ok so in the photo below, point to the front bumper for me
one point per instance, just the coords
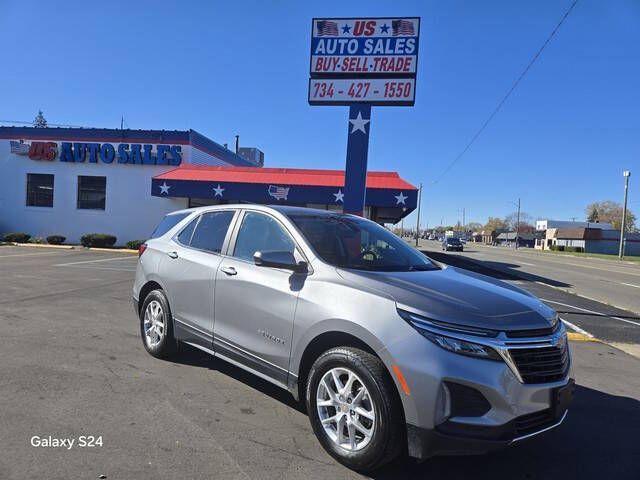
(424, 443)
(454, 438)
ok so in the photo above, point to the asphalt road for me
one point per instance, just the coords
(602, 320)
(72, 363)
(612, 282)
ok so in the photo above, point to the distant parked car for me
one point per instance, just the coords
(452, 243)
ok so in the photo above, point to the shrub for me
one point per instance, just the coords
(38, 240)
(56, 239)
(134, 244)
(17, 237)
(574, 249)
(101, 240)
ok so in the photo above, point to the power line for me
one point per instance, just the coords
(504, 99)
(20, 122)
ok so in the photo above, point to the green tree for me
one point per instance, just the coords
(495, 223)
(611, 212)
(40, 121)
(592, 215)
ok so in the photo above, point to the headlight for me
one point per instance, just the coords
(432, 331)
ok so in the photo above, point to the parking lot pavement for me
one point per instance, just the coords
(72, 363)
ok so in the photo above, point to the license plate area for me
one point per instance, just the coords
(561, 398)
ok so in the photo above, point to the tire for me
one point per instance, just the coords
(386, 426)
(166, 344)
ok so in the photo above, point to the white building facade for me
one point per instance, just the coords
(69, 181)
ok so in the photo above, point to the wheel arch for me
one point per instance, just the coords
(145, 290)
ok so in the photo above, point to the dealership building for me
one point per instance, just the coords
(73, 181)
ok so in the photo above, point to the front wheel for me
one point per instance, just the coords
(354, 410)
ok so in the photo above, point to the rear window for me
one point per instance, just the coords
(167, 223)
(453, 240)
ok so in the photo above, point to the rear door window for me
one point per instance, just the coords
(167, 223)
(211, 230)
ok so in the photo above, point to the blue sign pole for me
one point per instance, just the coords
(355, 178)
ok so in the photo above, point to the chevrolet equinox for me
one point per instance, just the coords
(390, 351)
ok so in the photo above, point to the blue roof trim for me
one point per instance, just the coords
(208, 146)
(97, 134)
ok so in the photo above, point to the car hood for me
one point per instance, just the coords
(458, 296)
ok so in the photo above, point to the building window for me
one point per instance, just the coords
(92, 192)
(39, 190)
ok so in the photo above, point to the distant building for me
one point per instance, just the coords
(591, 240)
(542, 225)
(509, 238)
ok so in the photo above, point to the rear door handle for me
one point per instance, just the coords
(229, 270)
(173, 254)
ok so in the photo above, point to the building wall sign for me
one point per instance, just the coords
(123, 153)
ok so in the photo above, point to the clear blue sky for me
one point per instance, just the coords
(560, 142)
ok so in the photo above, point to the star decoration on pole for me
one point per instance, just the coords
(401, 198)
(359, 124)
(164, 188)
(217, 191)
(339, 196)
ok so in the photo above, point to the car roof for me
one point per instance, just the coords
(286, 210)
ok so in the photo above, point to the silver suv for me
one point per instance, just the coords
(390, 351)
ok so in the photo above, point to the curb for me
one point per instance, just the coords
(126, 251)
(41, 245)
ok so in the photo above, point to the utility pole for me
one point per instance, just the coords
(518, 225)
(626, 175)
(418, 221)
(402, 227)
(464, 222)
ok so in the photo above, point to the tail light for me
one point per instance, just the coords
(141, 249)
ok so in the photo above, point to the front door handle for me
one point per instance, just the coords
(229, 270)
(173, 255)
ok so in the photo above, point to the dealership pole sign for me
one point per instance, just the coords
(360, 63)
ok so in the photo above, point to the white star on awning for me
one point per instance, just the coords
(164, 188)
(217, 191)
(339, 196)
(400, 198)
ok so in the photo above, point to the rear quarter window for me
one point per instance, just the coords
(167, 223)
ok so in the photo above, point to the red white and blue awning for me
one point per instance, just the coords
(291, 186)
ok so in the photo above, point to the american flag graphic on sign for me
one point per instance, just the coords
(19, 148)
(327, 28)
(279, 193)
(402, 27)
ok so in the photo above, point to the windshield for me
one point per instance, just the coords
(352, 242)
(453, 240)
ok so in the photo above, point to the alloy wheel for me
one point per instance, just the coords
(154, 323)
(345, 408)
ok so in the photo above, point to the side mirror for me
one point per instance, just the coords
(279, 259)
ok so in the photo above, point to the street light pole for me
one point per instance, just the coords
(418, 221)
(518, 225)
(626, 175)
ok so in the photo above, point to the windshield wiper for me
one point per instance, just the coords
(421, 268)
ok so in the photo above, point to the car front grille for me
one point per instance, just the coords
(541, 364)
(532, 333)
